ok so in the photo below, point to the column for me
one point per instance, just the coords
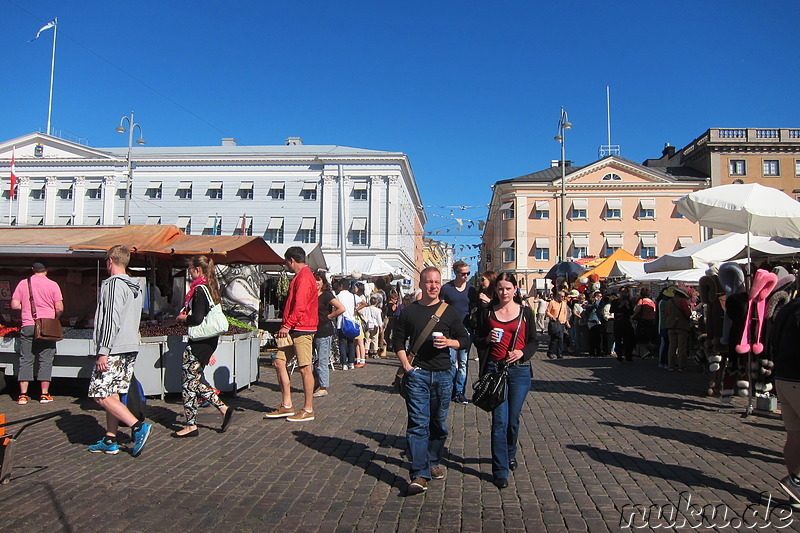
(78, 199)
(23, 196)
(393, 215)
(109, 198)
(50, 192)
(347, 218)
(522, 249)
(377, 223)
(327, 221)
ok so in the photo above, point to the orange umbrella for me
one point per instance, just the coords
(604, 269)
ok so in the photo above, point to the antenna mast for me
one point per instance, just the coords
(608, 149)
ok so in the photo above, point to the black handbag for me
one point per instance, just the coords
(490, 391)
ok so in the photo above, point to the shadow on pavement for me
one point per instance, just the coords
(356, 454)
(386, 389)
(691, 477)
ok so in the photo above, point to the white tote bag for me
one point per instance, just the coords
(213, 325)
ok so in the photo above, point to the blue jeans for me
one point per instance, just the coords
(505, 419)
(322, 345)
(460, 361)
(427, 401)
(347, 350)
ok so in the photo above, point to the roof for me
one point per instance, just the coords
(247, 151)
(543, 176)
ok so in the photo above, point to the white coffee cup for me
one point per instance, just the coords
(436, 334)
(498, 334)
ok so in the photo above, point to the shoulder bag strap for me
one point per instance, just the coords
(33, 304)
(429, 327)
(513, 340)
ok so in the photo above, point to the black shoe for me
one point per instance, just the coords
(227, 420)
(560, 357)
(460, 398)
(193, 433)
(500, 482)
(550, 356)
(512, 464)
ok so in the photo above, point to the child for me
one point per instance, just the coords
(373, 320)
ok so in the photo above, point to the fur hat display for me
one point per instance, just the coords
(763, 284)
(732, 278)
(784, 278)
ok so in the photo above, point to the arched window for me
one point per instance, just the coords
(611, 177)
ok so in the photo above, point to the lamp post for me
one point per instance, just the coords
(129, 182)
(563, 125)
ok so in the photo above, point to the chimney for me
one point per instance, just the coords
(293, 141)
(228, 141)
(668, 151)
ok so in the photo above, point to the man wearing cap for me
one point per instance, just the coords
(49, 304)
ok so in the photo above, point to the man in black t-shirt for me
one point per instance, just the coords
(429, 381)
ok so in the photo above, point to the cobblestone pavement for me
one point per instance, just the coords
(596, 439)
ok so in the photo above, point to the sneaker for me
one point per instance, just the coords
(46, 398)
(320, 393)
(361, 365)
(301, 416)
(437, 472)
(101, 447)
(418, 485)
(344, 367)
(460, 398)
(140, 438)
(280, 412)
(23, 399)
(791, 488)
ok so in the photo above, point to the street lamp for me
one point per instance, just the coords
(563, 125)
(129, 182)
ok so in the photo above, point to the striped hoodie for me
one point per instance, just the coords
(116, 321)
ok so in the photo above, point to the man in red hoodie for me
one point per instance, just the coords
(300, 320)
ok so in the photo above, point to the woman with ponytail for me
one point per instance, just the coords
(202, 296)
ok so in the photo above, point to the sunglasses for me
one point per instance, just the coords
(464, 273)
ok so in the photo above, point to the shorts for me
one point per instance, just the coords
(116, 379)
(789, 396)
(302, 347)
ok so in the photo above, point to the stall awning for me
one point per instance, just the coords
(615, 240)
(359, 224)
(648, 240)
(308, 223)
(154, 185)
(278, 185)
(540, 242)
(275, 223)
(542, 205)
(184, 185)
(647, 203)
(580, 203)
(310, 186)
(215, 185)
(183, 222)
(507, 244)
(614, 203)
(360, 186)
(580, 241)
(246, 186)
(506, 205)
(683, 242)
(153, 220)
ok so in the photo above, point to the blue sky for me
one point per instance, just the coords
(471, 91)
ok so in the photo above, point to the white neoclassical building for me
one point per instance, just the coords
(356, 204)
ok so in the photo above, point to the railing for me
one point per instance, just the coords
(769, 135)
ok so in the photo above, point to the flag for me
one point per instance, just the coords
(47, 26)
(13, 176)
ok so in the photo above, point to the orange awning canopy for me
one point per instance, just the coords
(604, 269)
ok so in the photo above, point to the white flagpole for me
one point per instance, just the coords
(10, 188)
(52, 73)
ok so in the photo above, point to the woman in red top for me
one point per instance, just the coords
(514, 348)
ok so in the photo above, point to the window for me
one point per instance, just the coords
(153, 190)
(647, 252)
(614, 242)
(244, 226)
(274, 231)
(358, 231)
(37, 193)
(579, 252)
(92, 221)
(122, 192)
(213, 226)
(185, 225)
(613, 208)
(580, 208)
(647, 208)
(580, 245)
(360, 190)
(215, 190)
(184, 191)
(737, 167)
(683, 242)
(245, 190)
(308, 230)
(277, 191)
(539, 215)
(95, 192)
(772, 167)
(153, 220)
(507, 248)
(309, 191)
(507, 210)
(797, 167)
(65, 191)
(611, 177)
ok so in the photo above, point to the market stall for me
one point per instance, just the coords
(75, 258)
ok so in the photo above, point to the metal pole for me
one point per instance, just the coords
(52, 74)
(563, 255)
(128, 184)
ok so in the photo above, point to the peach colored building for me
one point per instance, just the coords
(611, 203)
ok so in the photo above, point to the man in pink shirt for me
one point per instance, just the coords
(49, 304)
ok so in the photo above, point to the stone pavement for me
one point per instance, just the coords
(597, 438)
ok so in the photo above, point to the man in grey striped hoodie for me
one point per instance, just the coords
(116, 336)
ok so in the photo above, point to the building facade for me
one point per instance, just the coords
(364, 202)
(440, 255)
(611, 203)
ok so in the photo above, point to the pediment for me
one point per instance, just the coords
(52, 148)
(614, 171)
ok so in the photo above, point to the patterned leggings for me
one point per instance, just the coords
(195, 387)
